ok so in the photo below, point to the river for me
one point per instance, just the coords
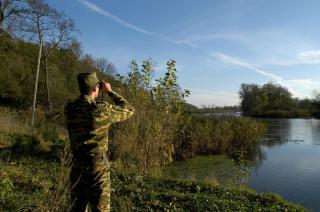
(287, 163)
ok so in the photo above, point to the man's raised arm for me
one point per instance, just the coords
(122, 110)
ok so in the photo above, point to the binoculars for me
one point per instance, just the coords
(100, 84)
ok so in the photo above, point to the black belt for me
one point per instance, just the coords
(89, 157)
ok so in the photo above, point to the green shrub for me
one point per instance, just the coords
(30, 144)
(216, 135)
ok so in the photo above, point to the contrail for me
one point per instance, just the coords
(298, 87)
(227, 59)
(124, 23)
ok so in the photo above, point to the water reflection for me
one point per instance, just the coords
(291, 166)
(281, 131)
(284, 131)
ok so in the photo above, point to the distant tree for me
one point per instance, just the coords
(75, 47)
(307, 104)
(252, 100)
(266, 100)
(316, 101)
(316, 96)
(103, 65)
(278, 97)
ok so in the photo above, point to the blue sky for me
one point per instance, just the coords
(218, 44)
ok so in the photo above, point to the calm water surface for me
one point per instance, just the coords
(288, 163)
(291, 164)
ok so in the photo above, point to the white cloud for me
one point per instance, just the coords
(298, 87)
(312, 56)
(126, 24)
(301, 58)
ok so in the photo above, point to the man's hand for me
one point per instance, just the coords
(106, 87)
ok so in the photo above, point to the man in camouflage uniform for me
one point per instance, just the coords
(88, 122)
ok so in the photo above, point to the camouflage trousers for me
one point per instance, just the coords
(90, 181)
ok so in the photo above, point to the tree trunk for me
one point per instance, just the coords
(1, 15)
(45, 60)
(36, 84)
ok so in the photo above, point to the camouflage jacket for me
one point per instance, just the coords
(88, 122)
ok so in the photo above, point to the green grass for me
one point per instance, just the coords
(159, 194)
(214, 169)
(34, 183)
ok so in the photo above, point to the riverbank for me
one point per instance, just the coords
(285, 114)
(34, 183)
(151, 193)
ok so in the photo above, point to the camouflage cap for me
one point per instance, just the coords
(87, 81)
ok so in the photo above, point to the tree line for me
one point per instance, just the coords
(272, 100)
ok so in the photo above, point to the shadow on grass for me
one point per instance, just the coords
(33, 145)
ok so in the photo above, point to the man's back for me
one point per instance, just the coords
(88, 123)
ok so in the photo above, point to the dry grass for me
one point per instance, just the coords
(11, 124)
(15, 130)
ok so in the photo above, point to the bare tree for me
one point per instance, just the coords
(60, 33)
(10, 12)
(48, 28)
(103, 65)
